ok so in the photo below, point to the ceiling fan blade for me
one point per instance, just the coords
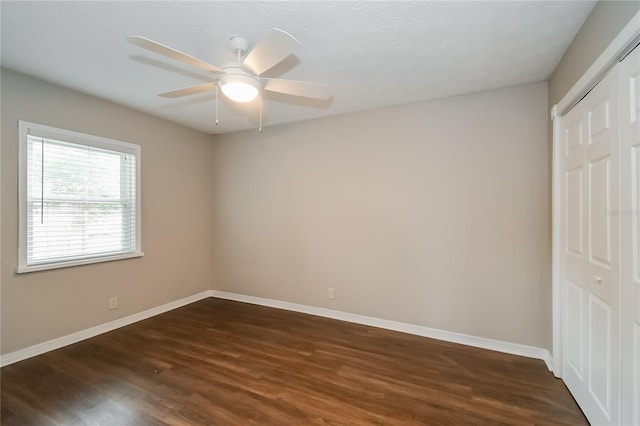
(272, 49)
(297, 88)
(192, 90)
(161, 49)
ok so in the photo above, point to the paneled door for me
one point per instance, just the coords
(590, 252)
(629, 77)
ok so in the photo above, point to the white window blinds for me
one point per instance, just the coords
(81, 199)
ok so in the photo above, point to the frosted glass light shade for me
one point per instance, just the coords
(239, 88)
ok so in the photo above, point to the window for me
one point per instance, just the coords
(79, 198)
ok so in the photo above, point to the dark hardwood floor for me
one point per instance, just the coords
(218, 362)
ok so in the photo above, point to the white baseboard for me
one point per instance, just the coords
(72, 338)
(448, 336)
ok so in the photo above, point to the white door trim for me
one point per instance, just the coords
(556, 244)
(628, 36)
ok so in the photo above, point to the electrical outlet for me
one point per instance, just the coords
(113, 303)
(330, 293)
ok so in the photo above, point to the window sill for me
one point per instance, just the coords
(23, 269)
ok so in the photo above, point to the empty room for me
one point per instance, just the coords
(320, 213)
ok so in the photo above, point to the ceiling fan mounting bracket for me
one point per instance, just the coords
(239, 44)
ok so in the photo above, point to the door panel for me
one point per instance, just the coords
(574, 318)
(599, 209)
(599, 119)
(573, 136)
(575, 335)
(629, 217)
(600, 353)
(573, 230)
(591, 253)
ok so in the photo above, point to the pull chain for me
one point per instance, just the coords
(216, 104)
(260, 128)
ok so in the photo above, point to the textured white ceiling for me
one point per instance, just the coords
(372, 54)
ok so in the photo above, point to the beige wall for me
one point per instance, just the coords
(601, 27)
(176, 218)
(431, 213)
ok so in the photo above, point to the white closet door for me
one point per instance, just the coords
(629, 77)
(590, 167)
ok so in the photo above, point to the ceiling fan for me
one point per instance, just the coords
(241, 81)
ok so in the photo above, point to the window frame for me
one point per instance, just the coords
(26, 128)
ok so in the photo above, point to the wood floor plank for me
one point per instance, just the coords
(218, 362)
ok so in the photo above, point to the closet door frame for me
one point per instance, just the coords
(617, 49)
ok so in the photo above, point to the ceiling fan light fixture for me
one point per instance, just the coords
(239, 87)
